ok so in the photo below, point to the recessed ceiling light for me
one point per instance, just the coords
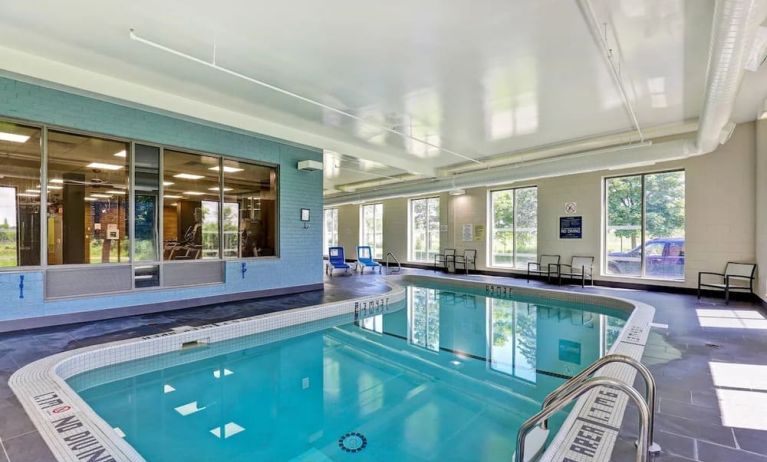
(56, 181)
(171, 196)
(13, 137)
(101, 196)
(215, 188)
(122, 154)
(168, 183)
(193, 193)
(188, 176)
(227, 169)
(103, 166)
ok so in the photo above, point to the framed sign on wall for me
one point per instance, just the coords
(571, 227)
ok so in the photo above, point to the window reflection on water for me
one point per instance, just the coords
(513, 338)
(424, 318)
(519, 339)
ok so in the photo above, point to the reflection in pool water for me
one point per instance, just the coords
(446, 376)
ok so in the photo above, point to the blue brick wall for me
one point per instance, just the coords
(300, 261)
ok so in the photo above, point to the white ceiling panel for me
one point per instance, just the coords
(455, 80)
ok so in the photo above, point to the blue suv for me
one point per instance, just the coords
(664, 258)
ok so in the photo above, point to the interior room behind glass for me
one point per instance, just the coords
(20, 154)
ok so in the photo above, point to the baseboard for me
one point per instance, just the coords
(98, 315)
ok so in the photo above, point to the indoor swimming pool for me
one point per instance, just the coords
(443, 375)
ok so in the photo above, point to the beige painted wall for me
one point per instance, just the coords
(720, 215)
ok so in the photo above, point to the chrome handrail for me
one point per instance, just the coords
(399, 266)
(650, 388)
(576, 392)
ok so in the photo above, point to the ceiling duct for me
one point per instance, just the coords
(735, 25)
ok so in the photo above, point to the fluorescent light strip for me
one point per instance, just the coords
(168, 183)
(101, 196)
(33, 191)
(213, 65)
(215, 188)
(27, 195)
(188, 176)
(53, 187)
(103, 166)
(112, 191)
(13, 137)
(56, 181)
(122, 154)
(171, 196)
(227, 169)
(193, 193)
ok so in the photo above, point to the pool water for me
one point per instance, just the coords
(444, 376)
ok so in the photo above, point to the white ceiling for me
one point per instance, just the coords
(476, 79)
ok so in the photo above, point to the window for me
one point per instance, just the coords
(147, 196)
(20, 195)
(424, 317)
(371, 228)
(191, 206)
(514, 227)
(513, 338)
(250, 210)
(330, 229)
(424, 229)
(645, 219)
(87, 200)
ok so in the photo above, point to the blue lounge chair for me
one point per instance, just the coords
(336, 260)
(365, 259)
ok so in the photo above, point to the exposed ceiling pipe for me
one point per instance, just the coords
(587, 144)
(734, 26)
(214, 65)
(609, 55)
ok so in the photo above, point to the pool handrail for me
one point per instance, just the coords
(576, 392)
(650, 388)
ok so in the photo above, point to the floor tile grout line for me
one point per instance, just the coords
(736, 449)
(2, 445)
(20, 435)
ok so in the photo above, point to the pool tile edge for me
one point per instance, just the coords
(71, 429)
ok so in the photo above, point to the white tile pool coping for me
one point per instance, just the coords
(74, 432)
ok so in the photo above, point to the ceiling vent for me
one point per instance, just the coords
(309, 165)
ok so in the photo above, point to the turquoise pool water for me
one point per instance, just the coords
(446, 376)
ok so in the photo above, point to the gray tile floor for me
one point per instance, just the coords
(688, 419)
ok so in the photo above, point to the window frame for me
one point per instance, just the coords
(362, 240)
(643, 218)
(333, 211)
(491, 226)
(130, 152)
(410, 227)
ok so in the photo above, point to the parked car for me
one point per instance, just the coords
(664, 258)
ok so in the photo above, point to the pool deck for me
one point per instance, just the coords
(689, 415)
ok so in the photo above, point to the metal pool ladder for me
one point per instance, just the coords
(582, 383)
(399, 267)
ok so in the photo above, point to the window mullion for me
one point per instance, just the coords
(643, 264)
(514, 229)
